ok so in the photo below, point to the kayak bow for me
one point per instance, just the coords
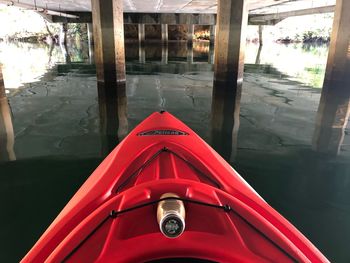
(162, 194)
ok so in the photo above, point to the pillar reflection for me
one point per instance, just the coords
(142, 54)
(112, 102)
(211, 55)
(258, 54)
(65, 53)
(225, 121)
(190, 54)
(165, 50)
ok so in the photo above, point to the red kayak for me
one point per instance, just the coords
(164, 195)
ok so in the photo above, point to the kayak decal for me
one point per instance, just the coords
(162, 132)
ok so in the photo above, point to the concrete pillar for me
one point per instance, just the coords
(108, 28)
(165, 54)
(112, 102)
(334, 108)
(190, 33)
(90, 34)
(164, 28)
(232, 20)
(212, 31)
(261, 42)
(142, 34)
(7, 138)
(63, 34)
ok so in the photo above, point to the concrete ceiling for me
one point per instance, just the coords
(179, 6)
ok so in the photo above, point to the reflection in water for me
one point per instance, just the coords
(64, 50)
(165, 50)
(91, 53)
(190, 54)
(35, 60)
(302, 63)
(258, 54)
(6, 129)
(113, 114)
(224, 122)
(62, 122)
(199, 52)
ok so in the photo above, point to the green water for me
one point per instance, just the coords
(59, 138)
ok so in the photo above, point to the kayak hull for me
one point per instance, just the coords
(113, 216)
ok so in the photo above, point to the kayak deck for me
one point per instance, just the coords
(112, 218)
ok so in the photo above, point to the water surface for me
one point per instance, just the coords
(61, 134)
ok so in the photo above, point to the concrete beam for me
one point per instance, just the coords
(83, 17)
(228, 66)
(266, 19)
(7, 138)
(108, 31)
(195, 19)
(147, 18)
(334, 108)
(169, 18)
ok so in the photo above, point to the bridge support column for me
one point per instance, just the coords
(63, 34)
(7, 138)
(90, 42)
(108, 28)
(190, 32)
(228, 71)
(334, 108)
(164, 28)
(261, 28)
(142, 33)
(90, 34)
